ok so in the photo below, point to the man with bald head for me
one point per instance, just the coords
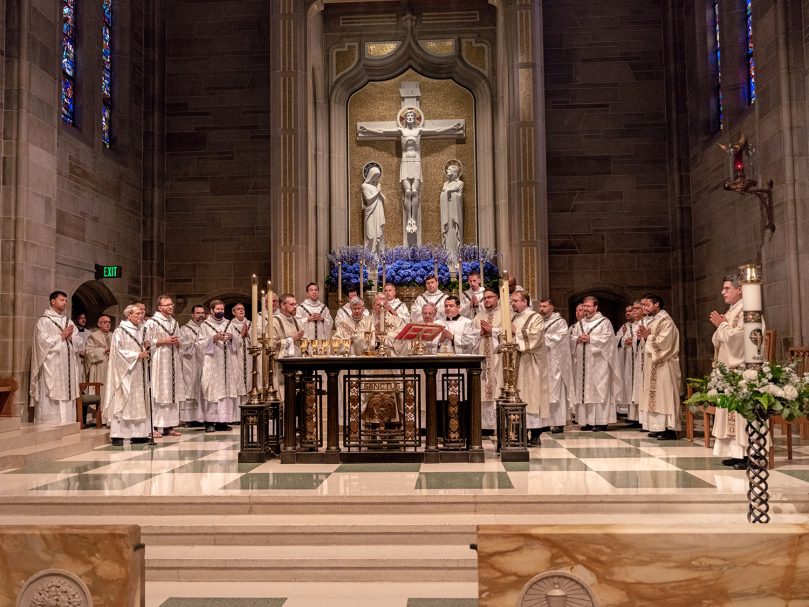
(97, 356)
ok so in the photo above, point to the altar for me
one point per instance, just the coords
(390, 430)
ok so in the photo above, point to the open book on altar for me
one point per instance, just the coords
(422, 331)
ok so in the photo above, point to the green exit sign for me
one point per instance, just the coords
(108, 271)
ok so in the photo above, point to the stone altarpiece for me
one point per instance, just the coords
(476, 60)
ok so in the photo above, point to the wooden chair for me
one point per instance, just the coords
(8, 386)
(801, 355)
(85, 401)
(707, 411)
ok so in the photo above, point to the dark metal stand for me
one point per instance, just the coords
(757, 473)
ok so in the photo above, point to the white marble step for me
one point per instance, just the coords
(30, 435)
(311, 563)
(9, 424)
(62, 442)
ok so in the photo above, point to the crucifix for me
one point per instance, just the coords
(410, 126)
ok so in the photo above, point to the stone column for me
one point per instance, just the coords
(292, 259)
(526, 212)
(28, 215)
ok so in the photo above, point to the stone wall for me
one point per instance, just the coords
(727, 227)
(609, 227)
(217, 148)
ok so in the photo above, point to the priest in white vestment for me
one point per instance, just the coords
(729, 428)
(245, 373)
(344, 313)
(660, 398)
(314, 314)
(532, 374)
(288, 334)
(192, 409)
(356, 326)
(472, 298)
(595, 369)
(55, 368)
(633, 368)
(128, 391)
(488, 323)
(220, 369)
(168, 382)
(394, 305)
(560, 366)
(97, 358)
(433, 295)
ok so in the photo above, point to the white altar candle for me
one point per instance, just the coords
(435, 268)
(505, 307)
(481, 271)
(339, 283)
(384, 274)
(460, 278)
(268, 326)
(754, 354)
(362, 279)
(263, 313)
(254, 295)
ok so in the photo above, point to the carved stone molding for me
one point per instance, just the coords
(54, 587)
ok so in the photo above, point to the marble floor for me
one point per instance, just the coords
(576, 465)
(617, 462)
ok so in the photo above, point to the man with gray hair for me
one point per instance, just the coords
(355, 326)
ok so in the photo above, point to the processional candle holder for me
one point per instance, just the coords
(509, 392)
(512, 429)
(758, 497)
(269, 391)
(255, 394)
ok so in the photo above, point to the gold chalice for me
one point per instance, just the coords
(336, 342)
(346, 346)
(304, 346)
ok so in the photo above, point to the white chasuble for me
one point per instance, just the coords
(560, 368)
(220, 369)
(316, 329)
(437, 299)
(168, 382)
(193, 358)
(660, 398)
(532, 376)
(128, 392)
(596, 381)
(55, 370)
(96, 362)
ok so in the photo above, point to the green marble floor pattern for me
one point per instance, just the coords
(619, 460)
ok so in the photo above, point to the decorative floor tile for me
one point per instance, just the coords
(696, 463)
(173, 454)
(646, 479)
(217, 466)
(463, 480)
(547, 464)
(597, 452)
(96, 482)
(391, 467)
(59, 468)
(278, 480)
(215, 437)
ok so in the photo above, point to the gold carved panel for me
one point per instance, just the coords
(439, 48)
(440, 100)
(380, 50)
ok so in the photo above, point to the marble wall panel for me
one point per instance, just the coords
(647, 565)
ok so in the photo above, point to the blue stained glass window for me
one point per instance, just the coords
(718, 59)
(106, 73)
(68, 89)
(751, 60)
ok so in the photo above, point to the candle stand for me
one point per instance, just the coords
(512, 430)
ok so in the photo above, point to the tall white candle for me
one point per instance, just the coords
(339, 283)
(269, 325)
(254, 295)
(481, 270)
(362, 279)
(435, 268)
(263, 313)
(752, 306)
(384, 274)
(505, 307)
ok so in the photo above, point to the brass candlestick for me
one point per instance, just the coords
(511, 361)
(269, 391)
(368, 351)
(254, 396)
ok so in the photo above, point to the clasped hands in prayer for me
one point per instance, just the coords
(171, 340)
(716, 318)
(222, 337)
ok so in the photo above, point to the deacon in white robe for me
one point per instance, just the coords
(595, 374)
(220, 370)
(168, 382)
(660, 398)
(128, 392)
(97, 358)
(433, 295)
(532, 374)
(560, 366)
(394, 305)
(459, 335)
(472, 298)
(80, 337)
(488, 323)
(245, 372)
(55, 369)
(314, 314)
(729, 428)
(192, 409)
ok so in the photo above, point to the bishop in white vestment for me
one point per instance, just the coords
(55, 369)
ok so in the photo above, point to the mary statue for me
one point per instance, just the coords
(373, 207)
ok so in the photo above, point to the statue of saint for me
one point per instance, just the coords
(373, 208)
(451, 205)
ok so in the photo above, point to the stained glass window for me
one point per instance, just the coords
(718, 61)
(751, 60)
(67, 93)
(106, 73)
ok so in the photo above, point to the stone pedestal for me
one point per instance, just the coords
(102, 563)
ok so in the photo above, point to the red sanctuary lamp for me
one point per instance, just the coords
(740, 171)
